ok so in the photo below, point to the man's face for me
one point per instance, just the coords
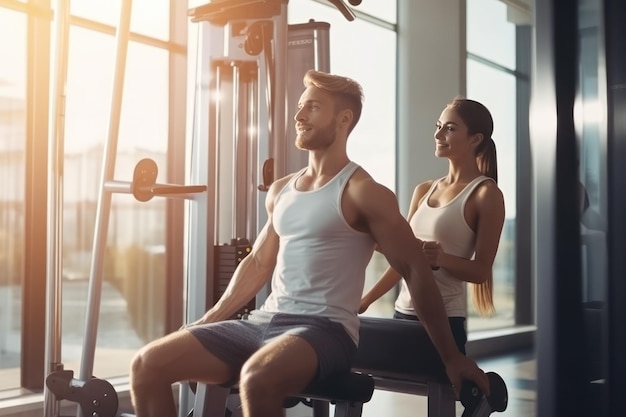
(315, 119)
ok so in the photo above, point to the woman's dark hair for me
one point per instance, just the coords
(478, 119)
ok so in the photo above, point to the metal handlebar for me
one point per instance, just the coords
(144, 186)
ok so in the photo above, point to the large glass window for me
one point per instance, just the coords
(496, 90)
(489, 34)
(491, 79)
(134, 296)
(12, 179)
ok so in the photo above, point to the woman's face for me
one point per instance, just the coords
(451, 136)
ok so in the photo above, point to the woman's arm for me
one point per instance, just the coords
(387, 281)
(484, 213)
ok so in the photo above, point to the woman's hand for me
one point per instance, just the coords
(432, 250)
(364, 305)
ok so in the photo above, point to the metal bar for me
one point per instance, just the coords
(104, 198)
(278, 90)
(235, 171)
(56, 147)
(189, 192)
(199, 219)
(252, 140)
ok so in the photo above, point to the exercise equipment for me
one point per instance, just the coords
(348, 392)
(400, 356)
(242, 129)
(477, 404)
(249, 68)
(95, 397)
(393, 355)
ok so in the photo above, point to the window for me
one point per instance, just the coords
(492, 80)
(133, 301)
(496, 90)
(136, 295)
(12, 179)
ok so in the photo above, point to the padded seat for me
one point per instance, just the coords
(353, 387)
(347, 391)
(399, 349)
(401, 358)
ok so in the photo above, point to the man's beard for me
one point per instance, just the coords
(322, 138)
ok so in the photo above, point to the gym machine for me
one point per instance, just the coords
(95, 397)
(249, 68)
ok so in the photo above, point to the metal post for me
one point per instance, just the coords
(104, 198)
(54, 261)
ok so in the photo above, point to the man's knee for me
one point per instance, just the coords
(256, 381)
(144, 367)
(251, 376)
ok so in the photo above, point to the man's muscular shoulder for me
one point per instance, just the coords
(275, 189)
(364, 198)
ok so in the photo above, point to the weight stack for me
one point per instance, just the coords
(227, 257)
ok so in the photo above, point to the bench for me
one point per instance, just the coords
(394, 355)
(347, 391)
(401, 358)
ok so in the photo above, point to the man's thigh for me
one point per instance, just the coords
(332, 345)
(301, 349)
(288, 364)
(179, 356)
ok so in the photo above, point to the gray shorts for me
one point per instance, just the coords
(234, 341)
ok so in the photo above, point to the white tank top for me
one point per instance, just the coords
(321, 262)
(445, 224)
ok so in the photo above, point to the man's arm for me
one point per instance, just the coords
(253, 271)
(391, 277)
(380, 214)
(249, 277)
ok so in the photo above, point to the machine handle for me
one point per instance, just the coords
(144, 185)
(268, 174)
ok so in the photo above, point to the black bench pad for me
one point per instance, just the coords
(398, 349)
(351, 387)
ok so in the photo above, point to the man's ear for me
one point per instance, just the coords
(345, 117)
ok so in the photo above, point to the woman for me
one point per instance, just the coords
(458, 217)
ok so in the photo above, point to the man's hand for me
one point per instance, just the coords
(193, 323)
(208, 317)
(462, 368)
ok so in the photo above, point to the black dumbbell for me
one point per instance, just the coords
(475, 402)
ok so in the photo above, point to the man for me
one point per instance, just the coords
(323, 225)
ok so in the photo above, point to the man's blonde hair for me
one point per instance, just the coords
(348, 93)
